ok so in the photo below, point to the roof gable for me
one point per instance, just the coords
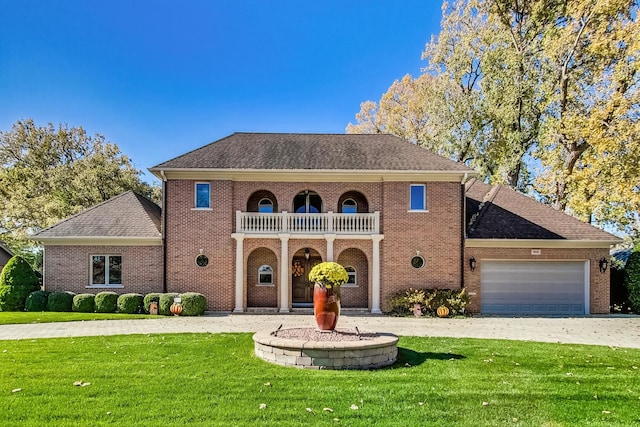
(128, 215)
(499, 212)
(286, 151)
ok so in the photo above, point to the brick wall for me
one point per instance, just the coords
(261, 295)
(355, 297)
(190, 232)
(436, 234)
(67, 268)
(599, 289)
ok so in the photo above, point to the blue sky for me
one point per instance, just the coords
(161, 78)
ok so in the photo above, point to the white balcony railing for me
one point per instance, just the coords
(308, 223)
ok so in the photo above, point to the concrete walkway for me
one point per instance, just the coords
(614, 331)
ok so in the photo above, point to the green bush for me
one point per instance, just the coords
(401, 303)
(36, 301)
(149, 298)
(632, 278)
(84, 303)
(130, 303)
(193, 304)
(60, 301)
(165, 303)
(106, 302)
(17, 281)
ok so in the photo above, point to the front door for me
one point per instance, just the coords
(302, 288)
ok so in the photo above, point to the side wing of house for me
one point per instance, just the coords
(116, 246)
(525, 258)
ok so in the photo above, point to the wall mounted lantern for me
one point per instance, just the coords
(603, 264)
(472, 263)
(307, 254)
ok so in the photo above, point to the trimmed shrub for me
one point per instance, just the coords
(106, 302)
(165, 303)
(149, 298)
(60, 301)
(130, 303)
(36, 301)
(84, 303)
(632, 278)
(193, 304)
(17, 281)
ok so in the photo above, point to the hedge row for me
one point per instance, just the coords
(193, 303)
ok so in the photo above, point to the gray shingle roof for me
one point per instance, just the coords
(126, 215)
(5, 249)
(286, 151)
(499, 212)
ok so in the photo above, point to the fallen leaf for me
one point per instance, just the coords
(310, 410)
(263, 406)
(16, 390)
(328, 410)
(488, 360)
(421, 403)
(485, 403)
(267, 384)
(336, 419)
(354, 407)
(606, 412)
(109, 413)
(569, 374)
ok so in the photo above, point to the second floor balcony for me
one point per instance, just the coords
(308, 223)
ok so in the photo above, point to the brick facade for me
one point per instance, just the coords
(68, 268)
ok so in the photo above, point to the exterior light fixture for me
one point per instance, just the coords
(603, 263)
(307, 254)
(472, 263)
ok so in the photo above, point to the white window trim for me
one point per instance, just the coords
(355, 204)
(424, 197)
(270, 204)
(106, 273)
(195, 197)
(272, 283)
(355, 275)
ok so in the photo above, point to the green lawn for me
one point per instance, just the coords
(205, 379)
(15, 317)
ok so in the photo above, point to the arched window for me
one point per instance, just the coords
(265, 205)
(265, 275)
(307, 202)
(351, 272)
(349, 206)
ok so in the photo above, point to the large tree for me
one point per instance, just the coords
(541, 95)
(50, 173)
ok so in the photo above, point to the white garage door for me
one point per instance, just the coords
(528, 287)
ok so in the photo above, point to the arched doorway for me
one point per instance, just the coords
(307, 202)
(301, 288)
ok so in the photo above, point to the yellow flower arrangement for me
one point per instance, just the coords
(329, 274)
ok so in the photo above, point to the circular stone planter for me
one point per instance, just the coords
(340, 349)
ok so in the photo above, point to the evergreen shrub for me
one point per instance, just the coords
(36, 301)
(106, 302)
(17, 281)
(60, 301)
(130, 303)
(84, 303)
(193, 304)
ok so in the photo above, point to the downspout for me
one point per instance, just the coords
(164, 231)
(463, 226)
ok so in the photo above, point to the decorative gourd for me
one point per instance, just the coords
(442, 311)
(176, 308)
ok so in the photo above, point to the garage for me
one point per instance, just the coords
(534, 287)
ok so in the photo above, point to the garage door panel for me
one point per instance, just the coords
(533, 287)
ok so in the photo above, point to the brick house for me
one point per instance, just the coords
(245, 218)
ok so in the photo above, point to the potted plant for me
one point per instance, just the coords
(328, 277)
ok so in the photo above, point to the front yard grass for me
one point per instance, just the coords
(215, 380)
(17, 317)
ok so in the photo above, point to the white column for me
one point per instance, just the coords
(330, 239)
(284, 273)
(239, 272)
(375, 286)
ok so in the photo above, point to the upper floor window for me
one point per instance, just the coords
(106, 270)
(203, 195)
(418, 197)
(265, 275)
(349, 206)
(265, 206)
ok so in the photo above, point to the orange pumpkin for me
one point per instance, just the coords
(442, 311)
(176, 309)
